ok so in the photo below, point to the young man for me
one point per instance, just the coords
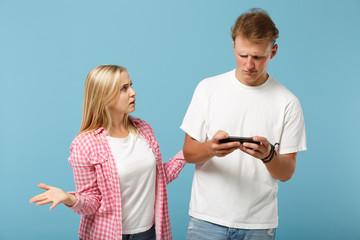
(235, 184)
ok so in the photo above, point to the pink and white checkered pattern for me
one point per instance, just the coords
(98, 187)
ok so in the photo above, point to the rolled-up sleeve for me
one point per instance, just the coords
(174, 166)
(87, 191)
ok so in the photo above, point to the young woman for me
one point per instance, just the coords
(118, 171)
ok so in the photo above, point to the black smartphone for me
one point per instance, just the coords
(238, 139)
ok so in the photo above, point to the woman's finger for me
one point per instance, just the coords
(44, 186)
(34, 199)
(43, 202)
(38, 198)
(53, 205)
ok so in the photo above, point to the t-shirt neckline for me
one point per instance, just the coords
(236, 82)
(122, 140)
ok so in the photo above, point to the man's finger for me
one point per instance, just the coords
(221, 135)
(227, 151)
(223, 146)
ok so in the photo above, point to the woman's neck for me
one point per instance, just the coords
(118, 128)
(118, 132)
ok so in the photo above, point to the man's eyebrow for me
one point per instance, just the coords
(256, 55)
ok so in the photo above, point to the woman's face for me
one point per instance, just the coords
(126, 100)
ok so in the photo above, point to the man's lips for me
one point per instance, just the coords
(249, 71)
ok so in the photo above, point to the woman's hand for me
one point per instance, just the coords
(53, 195)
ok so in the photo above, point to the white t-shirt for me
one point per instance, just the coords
(136, 164)
(237, 190)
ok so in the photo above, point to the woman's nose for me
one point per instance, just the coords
(132, 92)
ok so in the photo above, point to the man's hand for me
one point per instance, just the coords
(259, 151)
(222, 149)
(281, 167)
(199, 152)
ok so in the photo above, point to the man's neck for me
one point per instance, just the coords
(251, 82)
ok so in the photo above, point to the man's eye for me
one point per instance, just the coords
(243, 56)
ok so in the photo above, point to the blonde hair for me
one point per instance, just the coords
(102, 88)
(255, 25)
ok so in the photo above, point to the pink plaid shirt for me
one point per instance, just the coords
(98, 187)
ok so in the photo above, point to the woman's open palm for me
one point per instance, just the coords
(52, 195)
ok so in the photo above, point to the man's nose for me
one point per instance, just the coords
(249, 62)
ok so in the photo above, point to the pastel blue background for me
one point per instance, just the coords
(48, 47)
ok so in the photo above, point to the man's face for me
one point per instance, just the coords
(252, 60)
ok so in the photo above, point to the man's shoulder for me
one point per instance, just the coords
(225, 75)
(280, 87)
(216, 80)
(283, 92)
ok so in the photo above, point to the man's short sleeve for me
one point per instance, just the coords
(195, 122)
(293, 138)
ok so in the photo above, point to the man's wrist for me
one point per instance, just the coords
(210, 150)
(271, 154)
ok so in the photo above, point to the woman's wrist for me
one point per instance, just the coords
(71, 200)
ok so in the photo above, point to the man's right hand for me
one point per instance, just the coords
(197, 152)
(222, 149)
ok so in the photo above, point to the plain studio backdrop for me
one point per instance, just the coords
(47, 48)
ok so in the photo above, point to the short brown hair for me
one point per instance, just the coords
(255, 25)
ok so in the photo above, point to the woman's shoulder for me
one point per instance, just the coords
(140, 124)
(86, 139)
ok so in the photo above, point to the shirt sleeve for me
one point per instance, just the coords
(87, 191)
(174, 166)
(293, 137)
(195, 123)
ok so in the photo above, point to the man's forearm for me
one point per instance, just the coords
(282, 167)
(196, 152)
(199, 152)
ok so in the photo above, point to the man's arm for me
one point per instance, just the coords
(199, 152)
(281, 167)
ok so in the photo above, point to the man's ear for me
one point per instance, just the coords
(274, 51)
